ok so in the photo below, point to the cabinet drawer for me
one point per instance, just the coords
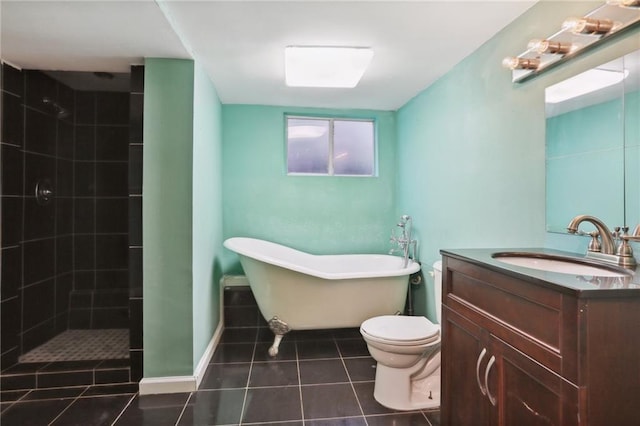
(524, 315)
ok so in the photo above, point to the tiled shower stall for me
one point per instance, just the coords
(71, 227)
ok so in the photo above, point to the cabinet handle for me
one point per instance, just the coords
(492, 399)
(482, 388)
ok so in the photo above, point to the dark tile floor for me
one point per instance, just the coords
(319, 378)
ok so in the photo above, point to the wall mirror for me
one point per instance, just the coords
(593, 145)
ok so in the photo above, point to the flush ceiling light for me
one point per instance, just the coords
(317, 66)
(586, 82)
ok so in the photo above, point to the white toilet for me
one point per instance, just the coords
(407, 349)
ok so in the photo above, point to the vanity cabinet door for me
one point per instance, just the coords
(528, 394)
(465, 356)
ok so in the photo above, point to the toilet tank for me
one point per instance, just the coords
(437, 288)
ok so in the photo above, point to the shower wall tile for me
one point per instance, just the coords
(38, 167)
(65, 142)
(37, 87)
(64, 216)
(10, 315)
(112, 215)
(64, 255)
(12, 110)
(112, 108)
(109, 280)
(37, 303)
(84, 280)
(85, 108)
(12, 80)
(39, 260)
(66, 98)
(84, 179)
(40, 133)
(38, 335)
(136, 106)
(84, 216)
(137, 79)
(135, 221)
(111, 179)
(64, 178)
(135, 271)
(112, 143)
(84, 252)
(135, 169)
(111, 251)
(11, 261)
(85, 143)
(111, 299)
(135, 332)
(11, 221)
(12, 168)
(110, 318)
(64, 286)
(79, 319)
(39, 221)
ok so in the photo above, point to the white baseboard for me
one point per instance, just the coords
(234, 281)
(176, 384)
(168, 384)
(201, 368)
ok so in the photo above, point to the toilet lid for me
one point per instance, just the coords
(400, 328)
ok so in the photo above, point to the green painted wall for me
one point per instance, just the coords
(207, 212)
(167, 218)
(182, 223)
(318, 214)
(471, 147)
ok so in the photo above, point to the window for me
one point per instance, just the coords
(330, 146)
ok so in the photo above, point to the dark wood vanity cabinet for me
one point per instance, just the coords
(517, 352)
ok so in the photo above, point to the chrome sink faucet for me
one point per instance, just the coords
(606, 249)
(404, 241)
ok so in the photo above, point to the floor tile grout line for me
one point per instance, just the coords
(299, 384)
(184, 407)
(353, 389)
(246, 389)
(66, 408)
(124, 409)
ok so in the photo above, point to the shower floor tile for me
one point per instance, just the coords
(82, 345)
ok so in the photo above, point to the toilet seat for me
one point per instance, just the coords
(400, 330)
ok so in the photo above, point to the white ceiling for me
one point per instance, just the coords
(241, 43)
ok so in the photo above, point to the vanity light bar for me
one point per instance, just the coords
(575, 36)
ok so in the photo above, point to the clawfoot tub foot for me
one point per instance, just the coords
(279, 329)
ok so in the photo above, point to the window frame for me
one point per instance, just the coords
(332, 119)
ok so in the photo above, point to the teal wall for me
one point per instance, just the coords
(207, 211)
(181, 216)
(471, 147)
(317, 214)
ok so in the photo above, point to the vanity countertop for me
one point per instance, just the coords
(583, 286)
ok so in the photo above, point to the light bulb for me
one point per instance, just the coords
(546, 46)
(521, 63)
(587, 25)
(624, 3)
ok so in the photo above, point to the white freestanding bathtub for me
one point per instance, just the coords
(301, 291)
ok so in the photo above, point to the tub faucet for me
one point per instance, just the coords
(606, 249)
(404, 242)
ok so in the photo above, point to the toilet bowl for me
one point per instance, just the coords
(407, 352)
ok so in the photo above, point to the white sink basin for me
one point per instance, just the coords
(559, 264)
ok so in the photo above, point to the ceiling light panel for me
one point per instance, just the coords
(325, 66)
